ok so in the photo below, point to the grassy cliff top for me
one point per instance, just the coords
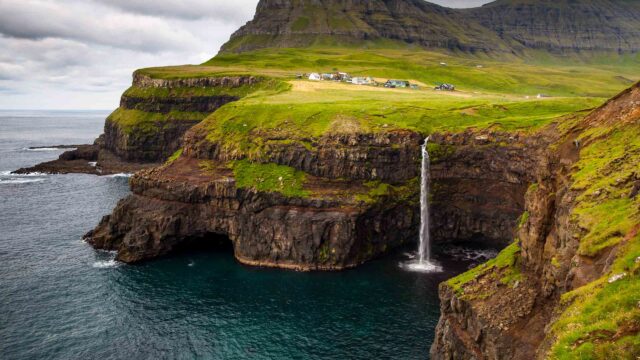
(489, 93)
(599, 76)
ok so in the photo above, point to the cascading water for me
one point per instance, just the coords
(424, 262)
(424, 249)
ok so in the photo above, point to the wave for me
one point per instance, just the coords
(120, 175)
(19, 181)
(46, 149)
(467, 254)
(106, 264)
(11, 174)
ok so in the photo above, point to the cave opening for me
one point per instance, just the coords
(209, 242)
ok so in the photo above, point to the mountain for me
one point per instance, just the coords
(500, 26)
(560, 25)
(300, 23)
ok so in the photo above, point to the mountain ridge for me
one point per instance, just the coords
(503, 26)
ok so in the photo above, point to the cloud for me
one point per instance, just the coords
(41, 19)
(225, 11)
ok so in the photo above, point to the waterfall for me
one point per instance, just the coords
(424, 250)
(423, 263)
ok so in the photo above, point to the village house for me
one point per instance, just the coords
(360, 80)
(315, 77)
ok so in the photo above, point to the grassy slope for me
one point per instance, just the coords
(602, 319)
(500, 95)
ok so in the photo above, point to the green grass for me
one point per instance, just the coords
(264, 85)
(553, 76)
(603, 175)
(404, 193)
(507, 261)
(140, 122)
(592, 326)
(176, 155)
(310, 113)
(499, 95)
(269, 178)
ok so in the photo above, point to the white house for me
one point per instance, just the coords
(315, 77)
(359, 80)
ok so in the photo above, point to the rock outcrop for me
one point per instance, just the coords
(181, 201)
(339, 224)
(507, 309)
(148, 126)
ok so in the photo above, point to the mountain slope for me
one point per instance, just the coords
(299, 23)
(499, 27)
(560, 25)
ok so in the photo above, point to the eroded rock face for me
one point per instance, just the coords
(331, 230)
(179, 202)
(390, 156)
(479, 183)
(490, 318)
(157, 142)
(146, 146)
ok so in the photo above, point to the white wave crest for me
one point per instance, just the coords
(106, 264)
(19, 181)
(47, 149)
(120, 175)
(9, 173)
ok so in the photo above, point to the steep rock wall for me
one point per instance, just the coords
(163, 119)
(509, 308)
(332, 228)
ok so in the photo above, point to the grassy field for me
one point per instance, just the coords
(600, 77)
(490, 93)
(311, 109)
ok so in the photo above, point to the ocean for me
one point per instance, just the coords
(61, 299)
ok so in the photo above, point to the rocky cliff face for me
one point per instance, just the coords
(480, 179)
(285, 23)
(171, 107)
(197, 195)
(339, 224)
(561, 26)
(511, 308)
(501, 26)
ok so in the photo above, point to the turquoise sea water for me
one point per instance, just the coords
(60, 299)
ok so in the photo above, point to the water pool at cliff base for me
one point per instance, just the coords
(60, 299)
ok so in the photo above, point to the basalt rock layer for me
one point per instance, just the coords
(538, 297)
(164, 109)
(340, 223)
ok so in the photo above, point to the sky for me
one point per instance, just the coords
(80, 54)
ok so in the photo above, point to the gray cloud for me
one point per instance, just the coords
(41, 19)
(226, 11)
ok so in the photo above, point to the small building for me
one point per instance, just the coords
(315, 77)
(360, 80)
(397, 84)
